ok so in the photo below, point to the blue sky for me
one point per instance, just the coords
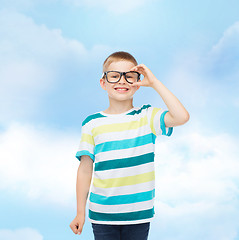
(51, 56)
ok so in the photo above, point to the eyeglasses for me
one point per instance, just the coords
(115, 76)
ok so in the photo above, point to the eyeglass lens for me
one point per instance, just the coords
(115, 76)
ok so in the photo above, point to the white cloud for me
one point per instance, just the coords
(228, 42)
(197, 172)
(20, 234)
(197, 177)
(208, 81)
(223, 59)
(199, 220)
(197, 188)
(203, 167)
(23, 40)
(39, 163)
(29, 64)
(33, 60)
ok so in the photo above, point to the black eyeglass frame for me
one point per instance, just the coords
(121, 73)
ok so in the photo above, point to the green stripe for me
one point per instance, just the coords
(93, 116)
(162, 124)
(124, 162)
(139, 111)
(99, 115)
(129, 216)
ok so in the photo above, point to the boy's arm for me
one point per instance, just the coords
(83, 182)
(177, 114)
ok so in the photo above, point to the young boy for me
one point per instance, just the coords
(119, 144)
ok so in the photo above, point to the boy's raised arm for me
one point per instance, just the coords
(177, 114)
(84, 176)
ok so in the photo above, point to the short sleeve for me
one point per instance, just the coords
(87, 143)
(156, 121)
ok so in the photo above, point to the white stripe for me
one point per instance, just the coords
(122, 222)
(86, 146)
(125, 153)
(119, 119)
(121, 208)
(123, 190)
(125, 172)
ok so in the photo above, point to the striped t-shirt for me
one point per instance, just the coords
(122, 149)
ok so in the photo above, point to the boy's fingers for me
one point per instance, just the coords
(79, 230)
(136, 84)
(76, 229)
(133, 69)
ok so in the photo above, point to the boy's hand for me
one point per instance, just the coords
(149, 78)
(77, 224)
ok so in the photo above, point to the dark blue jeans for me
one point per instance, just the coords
(138, 231)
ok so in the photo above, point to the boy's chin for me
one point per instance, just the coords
(121, 98)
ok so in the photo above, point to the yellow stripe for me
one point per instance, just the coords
(119, 127)
(87, 138)
(124, 181)
(155, 110)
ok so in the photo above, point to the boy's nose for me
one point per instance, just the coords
(123, 78)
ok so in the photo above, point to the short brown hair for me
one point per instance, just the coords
(117, 56)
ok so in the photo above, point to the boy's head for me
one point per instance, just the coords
(117, 78)
(118, 56)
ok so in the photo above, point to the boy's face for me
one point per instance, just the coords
(111, 88)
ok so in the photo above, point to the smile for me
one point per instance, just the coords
(121, 89)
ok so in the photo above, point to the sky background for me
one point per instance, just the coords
(51, 56)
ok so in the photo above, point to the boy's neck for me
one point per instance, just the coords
(117, 107)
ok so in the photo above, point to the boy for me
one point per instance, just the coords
(119, 142)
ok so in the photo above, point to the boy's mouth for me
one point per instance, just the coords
(121, 89)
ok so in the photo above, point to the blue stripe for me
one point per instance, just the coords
(124, 144)
(122, 199)
(84, 152)
(162, 125)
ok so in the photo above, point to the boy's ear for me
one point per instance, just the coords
(102, 83)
